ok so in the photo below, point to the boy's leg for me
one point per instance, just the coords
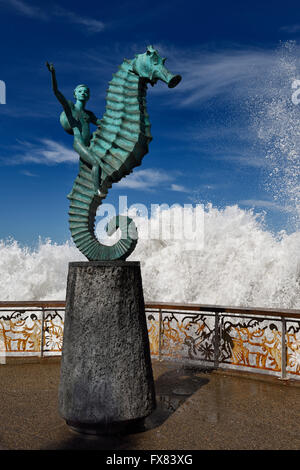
(96, 176)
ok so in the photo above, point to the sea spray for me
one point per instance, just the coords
(240, 263)
(275, 118)
(35, 274)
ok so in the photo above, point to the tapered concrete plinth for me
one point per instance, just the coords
(106, 378)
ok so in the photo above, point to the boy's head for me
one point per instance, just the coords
(82, 93)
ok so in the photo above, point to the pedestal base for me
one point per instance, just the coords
(106, 374)
(133, 425)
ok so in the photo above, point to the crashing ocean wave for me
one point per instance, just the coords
(239, 263)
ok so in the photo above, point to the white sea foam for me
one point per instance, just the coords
(35, 274)
(241, 263)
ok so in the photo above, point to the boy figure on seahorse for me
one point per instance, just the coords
(75, 120)
(114, 149)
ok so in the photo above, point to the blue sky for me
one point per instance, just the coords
(205, 147)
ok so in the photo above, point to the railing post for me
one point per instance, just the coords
(159, 333)
(217, 340)
(283, 348)
(42, 332)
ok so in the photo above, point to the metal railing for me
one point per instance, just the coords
(241, 338)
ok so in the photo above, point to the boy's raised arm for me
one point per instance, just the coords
(59, 95)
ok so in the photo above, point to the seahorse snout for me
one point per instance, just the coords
(163, 74)
(174, 81)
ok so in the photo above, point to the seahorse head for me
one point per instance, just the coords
(150, 66)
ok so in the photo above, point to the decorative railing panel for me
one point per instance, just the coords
(154, 333)
(53, 332)
(248, 342)
(188, 336)
(260, 340)
(293, 347)
(20, 331)
(31, 332)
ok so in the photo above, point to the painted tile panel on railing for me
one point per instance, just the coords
(20, 332)
(251, 343)
(53, 332)
(293, 347)
(188, 336)
(152, 318)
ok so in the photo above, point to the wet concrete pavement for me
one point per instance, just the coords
(196, 409)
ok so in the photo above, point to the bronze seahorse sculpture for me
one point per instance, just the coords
(117, 146)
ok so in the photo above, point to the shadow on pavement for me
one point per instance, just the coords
(172, 388)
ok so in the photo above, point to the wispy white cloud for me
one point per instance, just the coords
(151, 179)
(26, 9)
(49, 152)
(291, 28)
(145, 179)
(230, 73)
(242, 158)
(43, 152)
(200, 131)
(263, 204)
(179, 188)
(28, 173)
(89, 25)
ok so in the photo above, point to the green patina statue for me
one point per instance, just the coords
(117, 146)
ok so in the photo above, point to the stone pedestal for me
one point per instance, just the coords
(106, 378)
